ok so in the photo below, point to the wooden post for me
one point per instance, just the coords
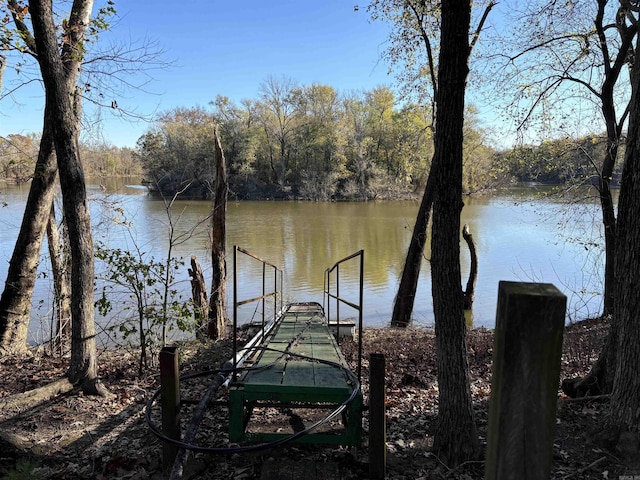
(377, 417)
(524, 386)
(170, 398)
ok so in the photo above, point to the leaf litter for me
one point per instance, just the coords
(78, 437)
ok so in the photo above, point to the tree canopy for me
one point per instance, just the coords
(306, 142)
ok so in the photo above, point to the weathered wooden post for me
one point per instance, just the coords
(377, 417)
(170, 398)
(524, 386)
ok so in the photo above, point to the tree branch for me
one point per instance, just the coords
(18, 13)
(427, 44)
(481, 24)
(3, 64)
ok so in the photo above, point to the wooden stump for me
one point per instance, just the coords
(199, 295)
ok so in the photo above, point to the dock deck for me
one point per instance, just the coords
(298, 366)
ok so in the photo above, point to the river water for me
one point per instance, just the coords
(520, 234)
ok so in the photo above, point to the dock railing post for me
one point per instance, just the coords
(524, 387)
(338, 302)
(170, 398)
(377, 417)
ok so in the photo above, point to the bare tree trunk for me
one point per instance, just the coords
(624, 414)
(199, 296)
(83, 367)
(217, 305)
(614, 125)
(61, 285)
(456, 438)
(405, 298)
(16, 299)
(600, 378)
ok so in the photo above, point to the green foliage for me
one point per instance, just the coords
(100, 21)
(479, 169)
(561, 161)
(145, 311)
(306, 142)
(178, 155)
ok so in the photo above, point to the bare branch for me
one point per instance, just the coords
(481, 24)
(427, 43)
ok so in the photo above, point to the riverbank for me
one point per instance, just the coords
(74, 436)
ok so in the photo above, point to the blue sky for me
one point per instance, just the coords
(218, 47)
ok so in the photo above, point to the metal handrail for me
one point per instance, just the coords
(327, 296)
(262, 297)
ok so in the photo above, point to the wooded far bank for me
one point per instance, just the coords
(310, 143)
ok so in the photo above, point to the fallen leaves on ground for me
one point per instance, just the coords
(75, 436)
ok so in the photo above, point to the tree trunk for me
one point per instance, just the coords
(217, 305)
(16, 299)
(199, 296)
(66, 126)
(602, 373)
(613, 68)
(405, 298)
(624, 414)
(456, 438)
(33, 398)
(61, 284)
(600, 378)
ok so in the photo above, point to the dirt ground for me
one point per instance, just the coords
(74, 436)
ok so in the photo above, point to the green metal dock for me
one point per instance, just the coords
(298, 365)
(288, 383)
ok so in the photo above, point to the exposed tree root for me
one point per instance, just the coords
(31, 398)
(94, 387)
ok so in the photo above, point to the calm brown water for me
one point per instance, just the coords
(518, 237)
